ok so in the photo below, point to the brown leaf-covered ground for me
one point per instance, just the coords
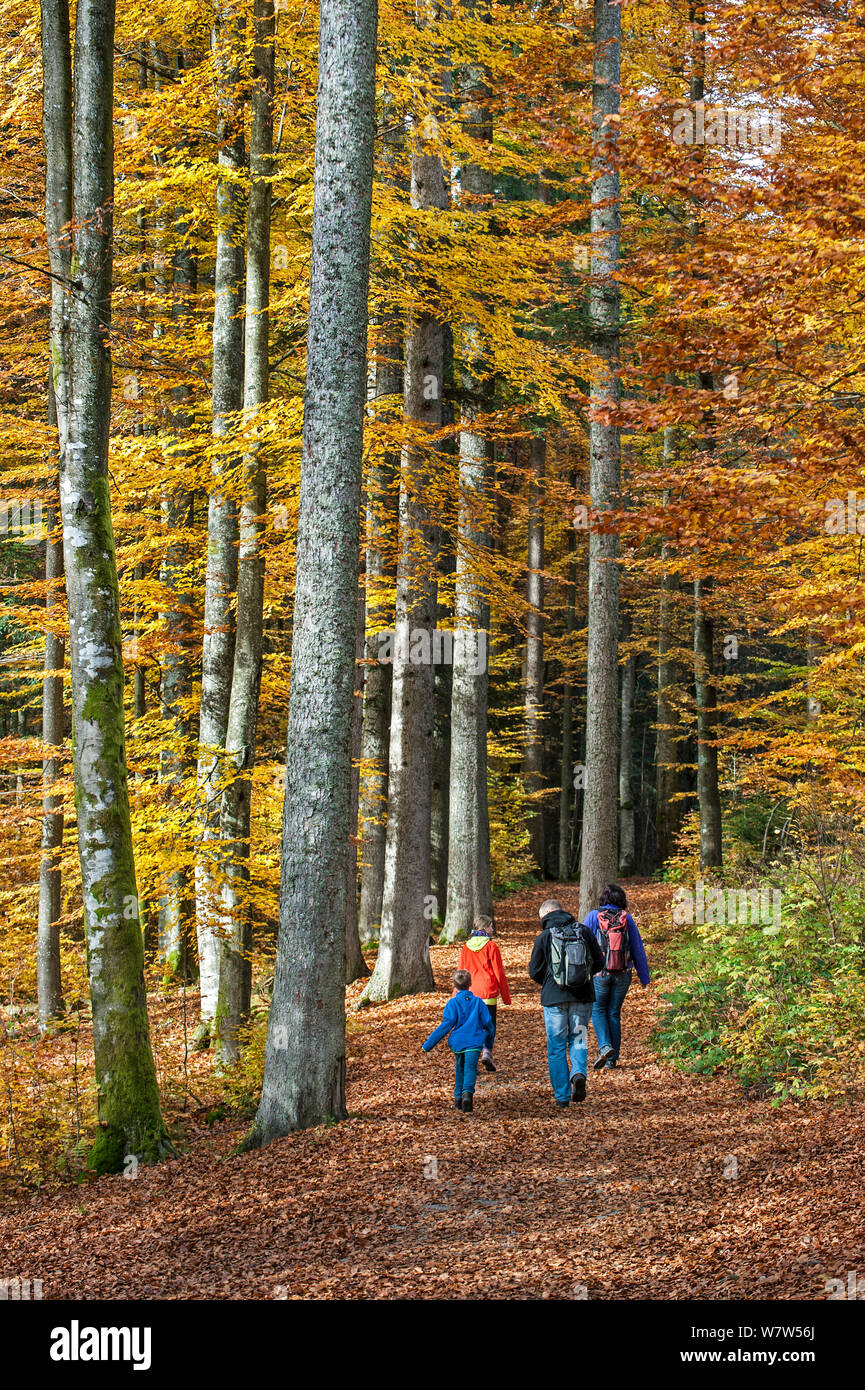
(630, 1195)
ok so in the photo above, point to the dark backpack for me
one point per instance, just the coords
(570, 956)
(613, 925)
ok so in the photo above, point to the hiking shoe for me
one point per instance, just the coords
(562, 1104)
(603, 1058)
(468, 1103)
(578, 1088)
(610, 1063)
(458, 1102)
(487, 1060)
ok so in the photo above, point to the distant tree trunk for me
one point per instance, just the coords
(49, 984)
(812, 657)
(627, 836)
(441, 774)
(128, 1099)
(177, 761)
(599, 856)
(707, 716)
(403, 962)
(469, 884)
(356, 967)
(381, 526)
(222, 525)
(304, 1074)
(533, 757)
(566, 787)
(235, 976)
(668, 817)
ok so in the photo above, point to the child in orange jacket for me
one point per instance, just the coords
(481, 957)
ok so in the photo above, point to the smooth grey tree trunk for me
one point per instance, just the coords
(128, 1099)
(533, 757)
(668, 731)
(304, 1074)
(356, 967)
(235, 926)
(599, 850)
(708, 794)
(566, 786)
(48, 979)
(222, 522)
(627, 835)
(469, 883)
(177, 759)
(381, 528)
(403, 962)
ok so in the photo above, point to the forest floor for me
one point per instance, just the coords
(659, 1186)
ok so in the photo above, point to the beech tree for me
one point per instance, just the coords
(80, 156)
(304, 1075)
(599, 854)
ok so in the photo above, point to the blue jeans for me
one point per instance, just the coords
(567, 1027)
(467, 1071)
(610, 991)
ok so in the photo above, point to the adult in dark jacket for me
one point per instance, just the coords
(566, 1011)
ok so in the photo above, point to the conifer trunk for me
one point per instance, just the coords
(304, 1075)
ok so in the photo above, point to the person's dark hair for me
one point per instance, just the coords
(462, 979)
(614, 896)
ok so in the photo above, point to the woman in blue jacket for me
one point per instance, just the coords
(611, 986)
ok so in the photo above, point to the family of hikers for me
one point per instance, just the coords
(584, 970)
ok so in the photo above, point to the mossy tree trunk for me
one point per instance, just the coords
(128, 1099)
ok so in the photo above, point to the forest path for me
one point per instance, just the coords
(622, 1197)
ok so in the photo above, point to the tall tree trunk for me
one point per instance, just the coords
(707, 716)
(356, 967)
(49, 983)
(469, 883)
(304, 1074)
(235, 978)
(222, 526)
(441, 773)
(177, 759)
(533, 757)
(128, 1099)
(599, 855)
(566, 787)
(627, 837)
(668, 817)
(403, 962)
(381, 523)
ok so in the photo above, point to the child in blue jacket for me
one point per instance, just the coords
(470, 1024)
